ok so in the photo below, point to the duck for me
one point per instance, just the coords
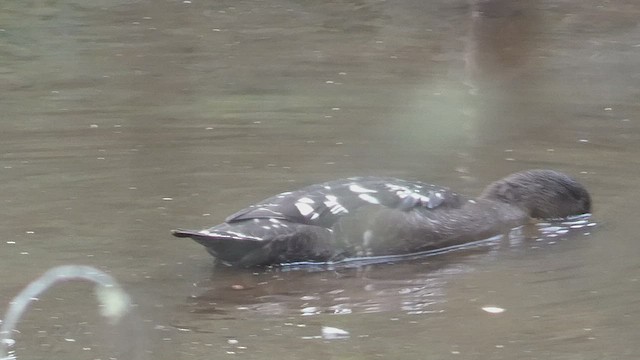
(383, 216)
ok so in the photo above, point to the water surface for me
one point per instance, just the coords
(122, 120)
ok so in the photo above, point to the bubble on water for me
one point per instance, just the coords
(332, 333)
(310, 310)
(8, 342)
(493, 309)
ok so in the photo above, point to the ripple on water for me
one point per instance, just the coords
(552, 229)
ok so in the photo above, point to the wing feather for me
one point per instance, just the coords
(324, 204)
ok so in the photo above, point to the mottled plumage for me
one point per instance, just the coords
(373, 216)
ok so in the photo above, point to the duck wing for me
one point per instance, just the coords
(324, 204)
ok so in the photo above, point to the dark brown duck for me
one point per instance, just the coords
(377, 216)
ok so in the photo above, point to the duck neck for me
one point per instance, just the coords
(502, 212)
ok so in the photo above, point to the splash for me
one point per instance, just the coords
(114, 302)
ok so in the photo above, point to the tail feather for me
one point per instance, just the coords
(263, 241)
(206, 235)
(230, 247)
(182, 233)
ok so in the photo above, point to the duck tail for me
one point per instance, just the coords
(230, 247)
(212, 236)
(181, 233)
(197, 236)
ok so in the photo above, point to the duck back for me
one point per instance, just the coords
(324, 204)
(378, 216)
(321, 222)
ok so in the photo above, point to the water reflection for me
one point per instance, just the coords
(292, 294)
(501, 46)
(413, 288)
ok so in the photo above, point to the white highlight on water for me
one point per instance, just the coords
(493, 309)
(332, 333)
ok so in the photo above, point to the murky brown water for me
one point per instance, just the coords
(122, 120)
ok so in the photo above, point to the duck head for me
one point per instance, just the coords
(542, 194)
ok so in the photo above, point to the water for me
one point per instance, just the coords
(114, 302)
(122, 120)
